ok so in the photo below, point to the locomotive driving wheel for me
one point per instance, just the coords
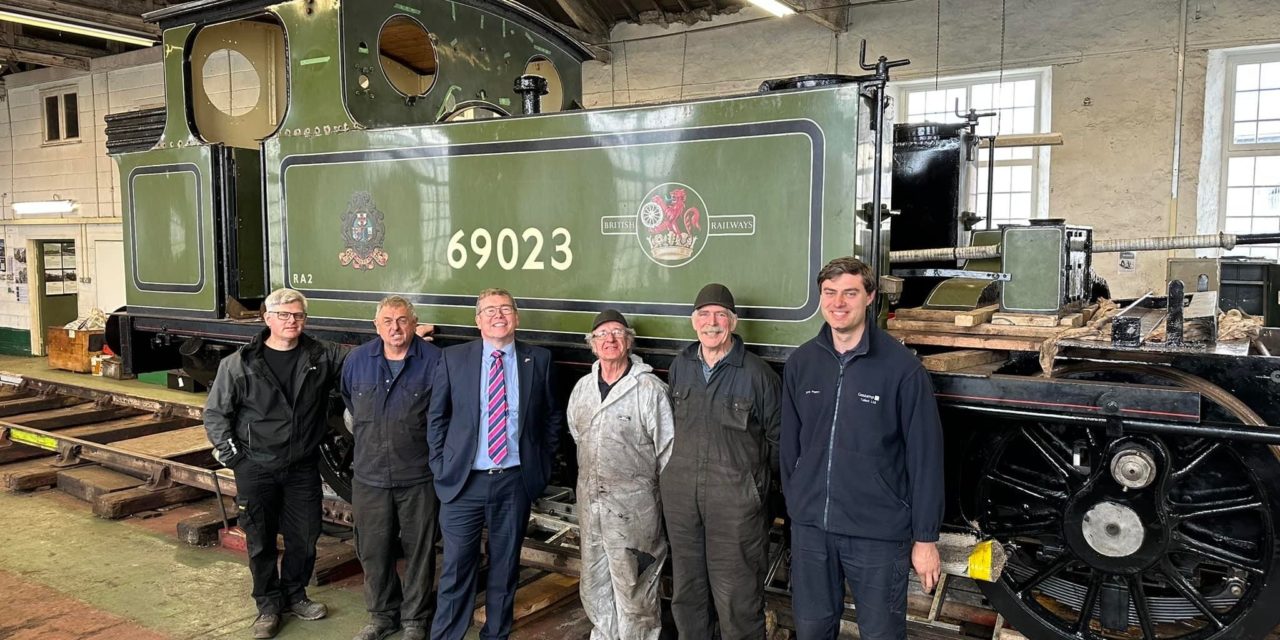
(1136, 535)
(337, 451)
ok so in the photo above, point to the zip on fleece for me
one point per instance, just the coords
(831, 442)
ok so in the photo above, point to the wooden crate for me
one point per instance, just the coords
(71, 349)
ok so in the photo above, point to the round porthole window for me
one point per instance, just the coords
(230, 82)
(407, 55)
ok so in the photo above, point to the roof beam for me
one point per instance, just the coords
(106, 19)
(54, 47)
(14, 54)
(832, 14)
(601, 52)
(585, 18)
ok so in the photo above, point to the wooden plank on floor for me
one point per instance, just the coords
(33, 404)
(976, 317)
(962, 359)
(1026, 319)
(967, 341)
(126, 428)
(930, 315)
(74, 417)
(989, 329)
(170, 444)
(121, 504)
(87, 483)
(536, 598)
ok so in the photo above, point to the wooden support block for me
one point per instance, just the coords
(15, 452)
(1025, 319)
(202, 529)
(87, 483)
(1087, 312)
(536, 598)
(335, 560)
(987, 329)
(30, 475)
(170, 444)
(963, 359)
(122, 504)
(1071, 320)
(930, 315)
(1005, 343)
(976, 317)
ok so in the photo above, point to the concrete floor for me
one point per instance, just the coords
(39, 368)
(65, 574)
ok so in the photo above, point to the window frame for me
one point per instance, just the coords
(1039, 161)
(60, 95)
(1229, 149)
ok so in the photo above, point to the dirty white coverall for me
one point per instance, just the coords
(623, 444)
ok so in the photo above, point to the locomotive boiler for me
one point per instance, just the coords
(432, 148)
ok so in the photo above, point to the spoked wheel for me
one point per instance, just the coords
(1135, 536)
(337, 452)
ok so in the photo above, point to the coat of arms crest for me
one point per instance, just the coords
(363, 231)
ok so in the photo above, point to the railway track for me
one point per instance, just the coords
(126, 455)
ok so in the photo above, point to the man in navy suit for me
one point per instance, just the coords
(492, 427)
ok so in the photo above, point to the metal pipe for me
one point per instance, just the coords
(1206, 241)
(991, 176)
(1177, 117)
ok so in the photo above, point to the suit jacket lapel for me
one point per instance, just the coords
(524, 362)
(471, 378)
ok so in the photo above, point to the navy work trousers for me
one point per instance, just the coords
(877, 572)
(497, 501)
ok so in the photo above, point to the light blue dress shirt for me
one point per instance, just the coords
(512, 381)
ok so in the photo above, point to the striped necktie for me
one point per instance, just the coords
(497, 410)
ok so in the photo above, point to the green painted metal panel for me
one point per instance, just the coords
(15, 342)
(1034, 258)
(167, 200)
(165, 230)
(632, 208)
(251, 259)
(479, 55)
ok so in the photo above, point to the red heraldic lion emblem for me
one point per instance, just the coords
(671, 217)
(363, 231)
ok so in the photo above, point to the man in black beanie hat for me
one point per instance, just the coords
(727, 415)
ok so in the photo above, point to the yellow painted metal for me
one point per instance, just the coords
(33, 439)
(980, 565)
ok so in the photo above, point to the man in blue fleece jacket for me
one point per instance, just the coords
(861, 462)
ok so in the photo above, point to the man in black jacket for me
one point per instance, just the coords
(266, 418)
(386, 387)
(726, 405)
(861, 465)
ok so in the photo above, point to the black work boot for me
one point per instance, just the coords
(308, 609)
(376, 630)
(266, 625)
(414, 633)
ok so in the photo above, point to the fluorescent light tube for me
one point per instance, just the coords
(70, 27)
(44, 207)
(773, 6)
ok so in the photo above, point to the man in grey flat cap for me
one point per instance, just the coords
(726, 402)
